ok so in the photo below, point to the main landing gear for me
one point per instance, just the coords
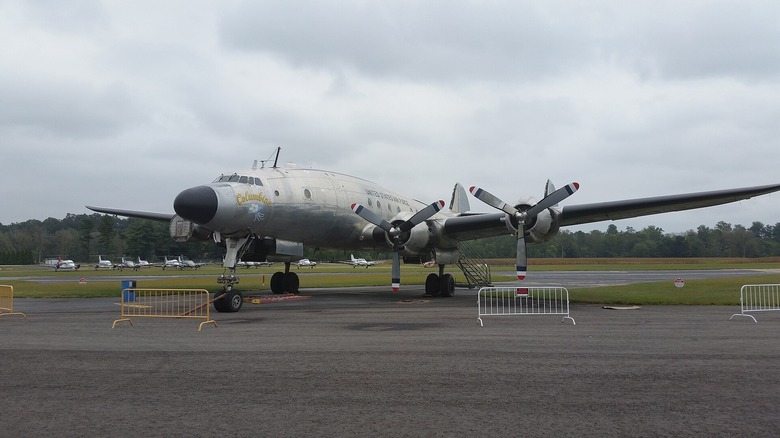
(440, 284)
(285, 282)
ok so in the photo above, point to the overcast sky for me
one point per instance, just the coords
(125, 104)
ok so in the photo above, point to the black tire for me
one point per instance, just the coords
(277, 283)
(432, 285)
(219, 305)
(447, 285)
(233, 301)
(291, 283)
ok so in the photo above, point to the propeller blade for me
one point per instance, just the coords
(395, 279)
(421, 216)
(493, 201)
(522, 256)
(552, 199)
(370, 216)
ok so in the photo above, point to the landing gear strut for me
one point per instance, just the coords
(440, 284)
(285, 282)
(233, 299)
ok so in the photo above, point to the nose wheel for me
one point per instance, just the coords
(232, 299)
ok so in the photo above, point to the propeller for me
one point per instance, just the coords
(396, 233)
(524, 217)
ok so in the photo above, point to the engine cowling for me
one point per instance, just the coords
(414, 242)
(542, 227)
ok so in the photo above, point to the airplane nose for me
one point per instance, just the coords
(198, 204)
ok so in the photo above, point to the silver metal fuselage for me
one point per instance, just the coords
(307, 206)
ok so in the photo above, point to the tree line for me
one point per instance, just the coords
(82, 237)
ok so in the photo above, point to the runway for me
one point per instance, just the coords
(364, 361)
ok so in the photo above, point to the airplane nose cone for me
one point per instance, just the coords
(198, 204)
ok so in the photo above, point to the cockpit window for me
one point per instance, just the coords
(239, 179)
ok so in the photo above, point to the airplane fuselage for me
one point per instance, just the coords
(301, 205)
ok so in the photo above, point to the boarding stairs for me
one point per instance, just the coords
(474, 268)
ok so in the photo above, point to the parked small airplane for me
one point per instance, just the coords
(270, 213)
(143, 263)
(65, 265)
(306, 263)
(171, 263)
(127, 264)
(361, 262)
(188, 264)
(104, 264)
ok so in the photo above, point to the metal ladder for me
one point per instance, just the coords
(475, 269)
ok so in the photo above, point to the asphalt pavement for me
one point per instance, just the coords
(368, 362)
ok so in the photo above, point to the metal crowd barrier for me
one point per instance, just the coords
(165, 303)
(503, 301)
(758, 298)
(7, 302)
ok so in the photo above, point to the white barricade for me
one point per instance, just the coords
(758, 298)
(502, 301)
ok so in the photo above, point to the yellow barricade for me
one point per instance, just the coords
(165, 303)
(7, 301)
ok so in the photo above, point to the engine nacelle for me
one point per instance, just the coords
(541, 228)
(415, 242)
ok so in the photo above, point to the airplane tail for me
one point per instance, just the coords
(460, 202)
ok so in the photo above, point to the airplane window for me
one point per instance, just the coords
(378, 204)
(276, 192)
(389, 208)
(242, 179)
(251, 181)
(370, 202)
(398, 209)
(258, 182)
(233, 178)
(307, 194)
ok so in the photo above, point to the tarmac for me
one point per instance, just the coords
(368, 362)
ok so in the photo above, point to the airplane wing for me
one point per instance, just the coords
(602, 211)
(162, 217)
(477, 225)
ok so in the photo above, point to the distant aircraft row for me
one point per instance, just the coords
(177, 263)
(182, 263)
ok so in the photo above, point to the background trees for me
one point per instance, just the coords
(83, 237)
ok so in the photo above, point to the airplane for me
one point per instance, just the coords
(305, 263)
(355, 262)
(171, 263)
(127, 264)
(272, 212)
(103, 264)
(143, 263)
(188, 264)
(65, 265)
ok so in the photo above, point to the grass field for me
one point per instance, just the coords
(36, 281)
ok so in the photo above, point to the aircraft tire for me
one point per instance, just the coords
(291, 282)
(432, 285)
(447, 285)
(233, 301)
(219, 305)
(277, 283)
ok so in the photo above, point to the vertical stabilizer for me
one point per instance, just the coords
(460, 202)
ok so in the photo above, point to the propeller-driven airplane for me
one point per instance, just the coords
(105, 264)
(143, 263)
(127, 264)
(360, 262)
(65, 265)
(306, 263)
(270, 213)
(171, 263)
